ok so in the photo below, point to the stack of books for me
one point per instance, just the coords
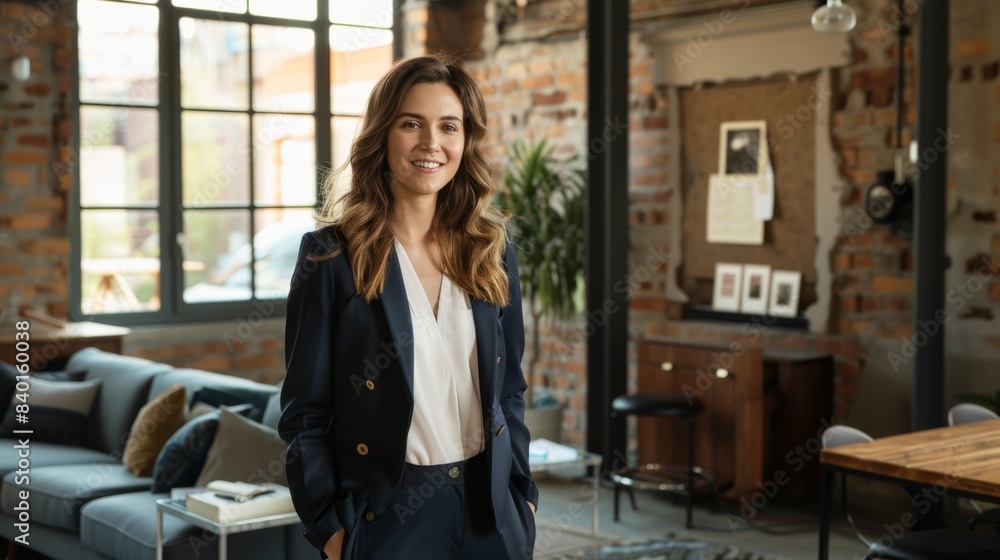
(226, 502)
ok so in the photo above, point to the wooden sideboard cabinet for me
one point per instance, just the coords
(48, 344)
(759, 406)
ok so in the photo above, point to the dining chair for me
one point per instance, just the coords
(933, 544)
(965, 413)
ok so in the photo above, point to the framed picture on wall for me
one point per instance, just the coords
(785, 286)
(755, 288)
(726, 291)
(743, 148)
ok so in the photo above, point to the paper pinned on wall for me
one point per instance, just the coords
(763, 201)
(731, 207)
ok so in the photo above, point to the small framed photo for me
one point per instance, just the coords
(726, 292)
(743, 148)
(755, 288)
(785, 293)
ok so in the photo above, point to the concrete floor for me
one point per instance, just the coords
(782, 531)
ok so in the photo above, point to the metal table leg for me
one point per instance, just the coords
(595, 504)
(826, 497)
(159, 534)
(222, 546)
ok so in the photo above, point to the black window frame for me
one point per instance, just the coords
(169, 210)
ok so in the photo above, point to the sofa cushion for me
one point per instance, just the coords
(58, 491)
(273, 409)
(183, 456)
(126, 381)
(55, 411)
(124, 526)
(44, 454)
(233, 396)
(244, 451)
(156, 422)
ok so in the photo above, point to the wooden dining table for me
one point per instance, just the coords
(964, 460)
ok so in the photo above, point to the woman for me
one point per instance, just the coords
(403, 403)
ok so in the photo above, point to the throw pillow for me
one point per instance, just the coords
(156, 422)
(57, 410)
(8, 381)
(183, 456)
(272, 412)
(244, 451)
(231, 396)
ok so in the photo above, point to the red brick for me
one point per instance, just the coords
(536, 82)
(257, 361)
(869, 304)
(37, 90)
(861, 176)
(35, 203)
(18, 158)
(19, 177)
(892, 285)
(215, 364)
(978, 46)
(895, 329)
(659, 121)
(863, 260)
(26, 221)
(849, 303)
(574, 79)
(995, 291)
(59, 309)
(11, 269)
(842, 261)
(554, 98)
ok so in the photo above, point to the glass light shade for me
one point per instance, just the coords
(835, 17)
(20, 68)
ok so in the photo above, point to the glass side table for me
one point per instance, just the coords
(177, 509)
(583, 458)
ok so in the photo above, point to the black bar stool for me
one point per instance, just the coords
(655, 476)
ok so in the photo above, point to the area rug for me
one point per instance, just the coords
(664, 549)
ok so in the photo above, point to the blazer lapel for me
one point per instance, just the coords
(484, 315)
(397, 314)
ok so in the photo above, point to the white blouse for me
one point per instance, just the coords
(447, 423)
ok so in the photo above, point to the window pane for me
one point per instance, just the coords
(359, 58)
(229, 6)
(342, 131)
(119, 261)
(214, 68)
(283, 69)
(275, 247)
(217, 255)
(373, 13)
(284, 151)
(119, 156)
(291, 9)
(119, 52)
(215, 160)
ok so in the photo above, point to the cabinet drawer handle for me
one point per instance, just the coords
(667, 366)
(722, 373)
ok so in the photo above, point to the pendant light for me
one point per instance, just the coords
(834, 17)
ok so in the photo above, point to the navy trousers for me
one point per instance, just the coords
(442, 512)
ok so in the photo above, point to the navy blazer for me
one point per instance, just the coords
(347, 398)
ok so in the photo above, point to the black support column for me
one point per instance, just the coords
(929, 219)
(606, 221)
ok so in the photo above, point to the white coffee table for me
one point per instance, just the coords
(177, 509)
(583, 458)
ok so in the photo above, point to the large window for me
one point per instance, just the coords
(205, 127)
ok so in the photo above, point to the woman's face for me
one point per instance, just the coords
(426, 141)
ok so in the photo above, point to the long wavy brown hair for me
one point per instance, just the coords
(470, 231)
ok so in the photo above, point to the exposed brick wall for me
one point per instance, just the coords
(34, 133)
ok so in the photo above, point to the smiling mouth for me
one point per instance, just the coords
(427, 164)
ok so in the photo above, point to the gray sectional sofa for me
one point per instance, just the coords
(85, 505)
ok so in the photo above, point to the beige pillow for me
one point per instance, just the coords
(155, 423)
(244, 451)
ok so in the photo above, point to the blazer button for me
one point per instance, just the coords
(502, 426)
(370, 384)
(370, 516)
(362, 449)
(498, 359)
(453, 472)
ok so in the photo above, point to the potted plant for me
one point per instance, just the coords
(545, 199)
